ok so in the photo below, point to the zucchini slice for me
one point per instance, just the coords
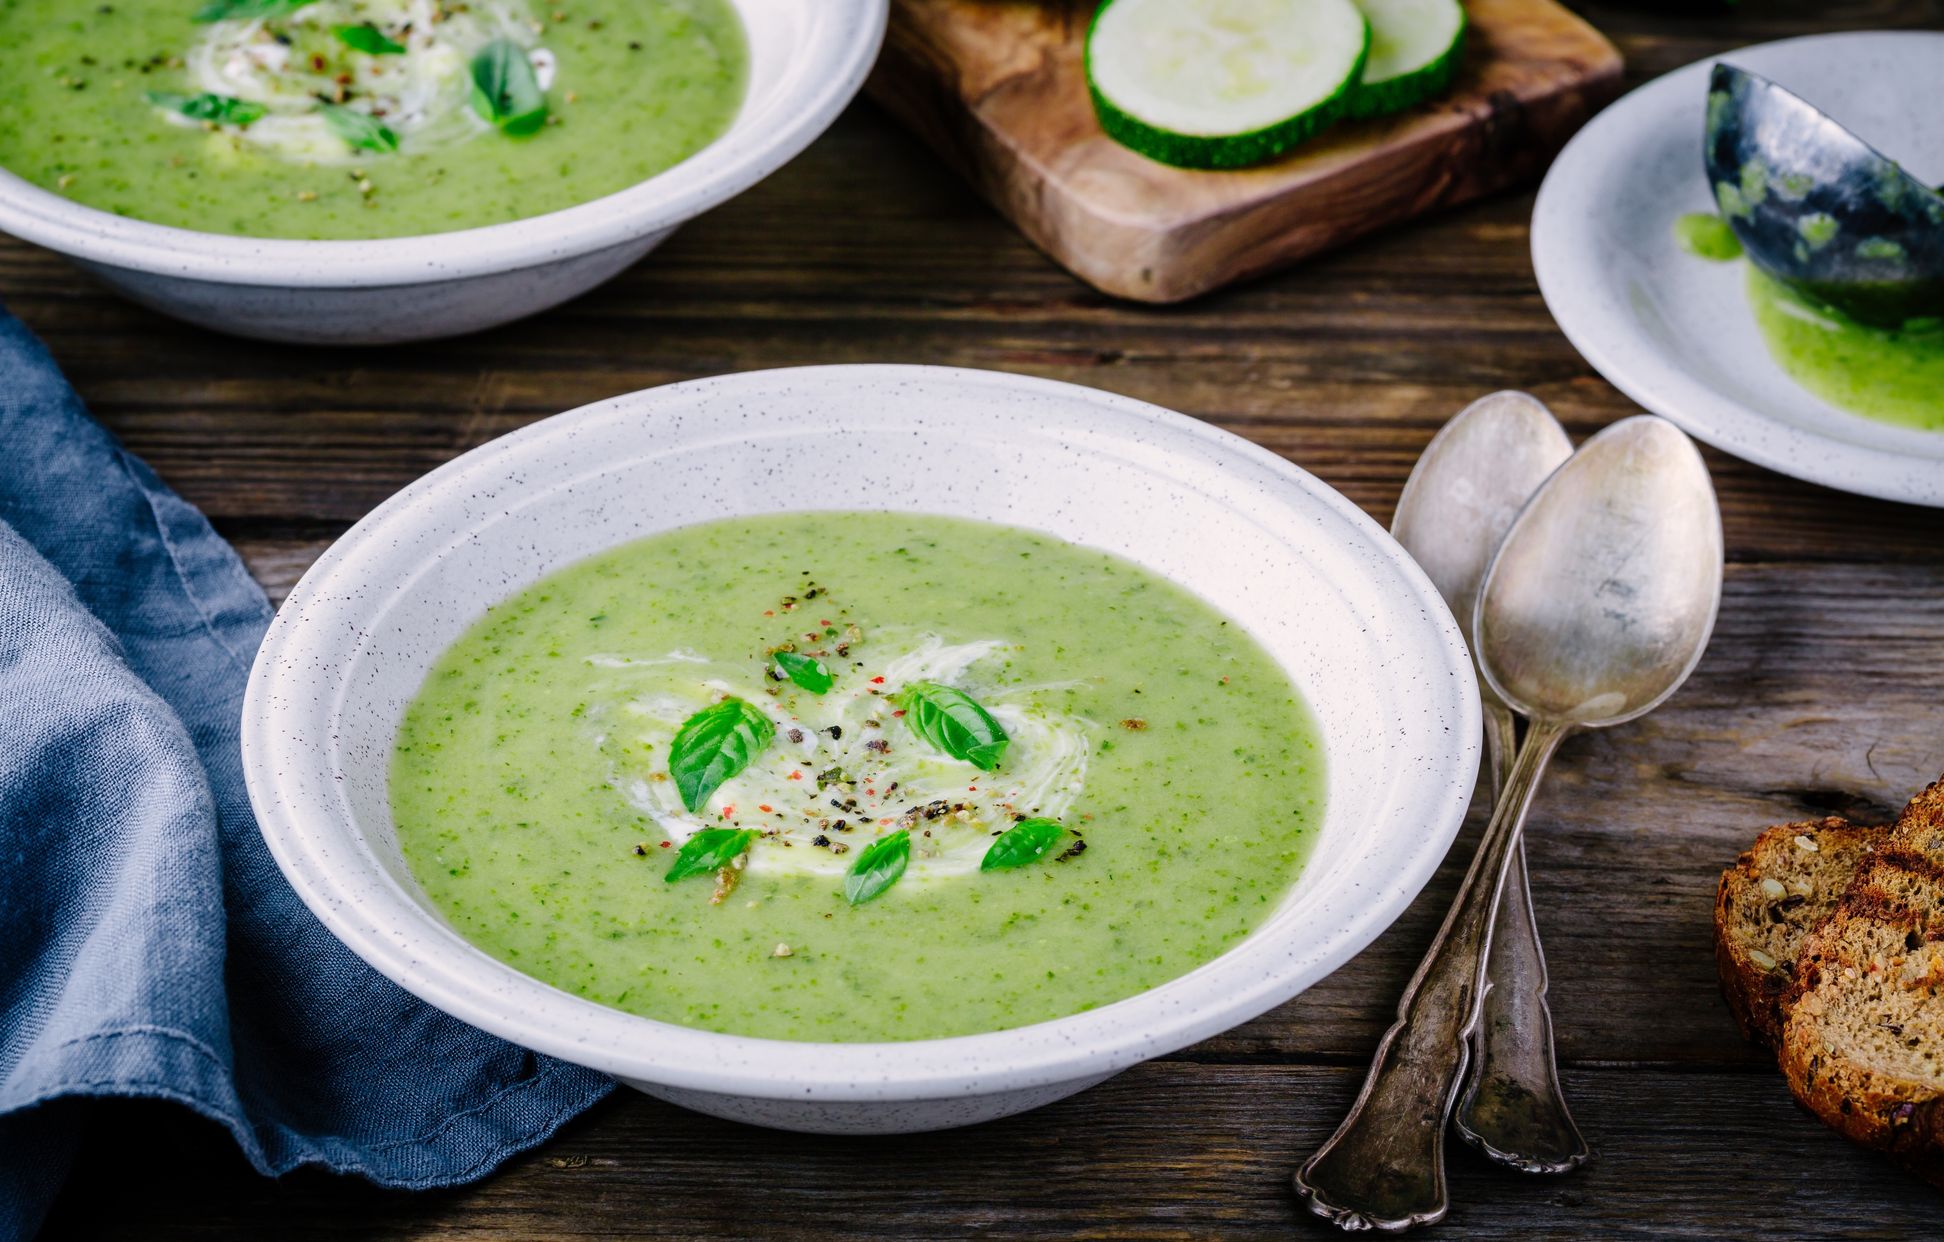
(1223, 83)
(1415, 49)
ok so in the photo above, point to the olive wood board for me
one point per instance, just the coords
(999, 89)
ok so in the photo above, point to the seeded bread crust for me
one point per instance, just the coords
(1921, 827)
(1863, 1043)
(1769, 901)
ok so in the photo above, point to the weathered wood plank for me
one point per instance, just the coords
(1164, 1151)
(1321, 366)
(865, 249)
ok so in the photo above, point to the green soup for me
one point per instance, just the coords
(359, 118)
(1151, 800)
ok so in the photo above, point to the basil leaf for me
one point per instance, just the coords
(1025, 842)
(223, 10)
(361, 131)
(367, 38)
(953, 722)
(505, 91)
(222, 109)
(713, 745)
(878, 867)
(709, 850)
(812, 674)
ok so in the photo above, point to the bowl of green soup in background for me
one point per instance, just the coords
(861, 748)
(364, 171)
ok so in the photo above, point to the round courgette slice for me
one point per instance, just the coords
(1223, 83)
(1415, 49)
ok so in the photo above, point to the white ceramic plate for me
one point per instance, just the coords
(1675, 332)
(1329, 594)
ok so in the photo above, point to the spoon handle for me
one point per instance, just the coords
(1513, 1109)
(1384, 1166)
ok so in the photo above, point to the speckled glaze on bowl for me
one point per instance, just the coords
(1675, 332)
(807, 59)
(1327, 592)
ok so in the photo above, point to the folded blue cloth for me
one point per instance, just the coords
(148, 944)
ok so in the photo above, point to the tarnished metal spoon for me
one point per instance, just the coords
(1596, 608)
(1818, 208)
(1470, 483)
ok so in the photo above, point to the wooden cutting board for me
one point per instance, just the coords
(997, 87)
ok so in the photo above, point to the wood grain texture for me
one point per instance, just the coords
(866, 250)
(1823, 693)
(1168, 1150)
(999, 89)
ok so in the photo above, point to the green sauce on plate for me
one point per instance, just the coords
(1708, 236)
(1894, 376)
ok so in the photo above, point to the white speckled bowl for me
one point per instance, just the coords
(807, 59)
(1675, 332)
(1326, 591)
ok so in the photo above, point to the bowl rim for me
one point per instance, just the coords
(1575, 277)
(1243, 982)
(848, 35)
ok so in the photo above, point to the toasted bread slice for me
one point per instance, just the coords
(1863, 1042)
(1921, 827)
(1773, 896)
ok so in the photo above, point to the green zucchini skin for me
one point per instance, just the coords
(1223, 151)
(1411, 89)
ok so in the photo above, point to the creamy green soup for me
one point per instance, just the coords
(987, 778)
(359, 118)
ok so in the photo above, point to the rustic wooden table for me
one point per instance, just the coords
(1823, 693)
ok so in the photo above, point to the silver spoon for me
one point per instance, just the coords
(1597, 606)
(1471, 482)
(1818, 208)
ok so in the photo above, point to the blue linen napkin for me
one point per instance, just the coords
(148, 944)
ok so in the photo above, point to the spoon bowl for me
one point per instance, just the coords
(1818, 208)
(1469, 485)
(1604, 593)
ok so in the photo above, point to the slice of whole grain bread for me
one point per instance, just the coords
(1772, 898)
(1921, 826)
(1863, 1039)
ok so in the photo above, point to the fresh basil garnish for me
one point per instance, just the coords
(367, 38)
(1025, 842)
(810, 673)
(878, 867)
(715, 744)
(360, 130)
(221, 109)
(953, 722)
(710, 850)
(505, 91)
(223, 10)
